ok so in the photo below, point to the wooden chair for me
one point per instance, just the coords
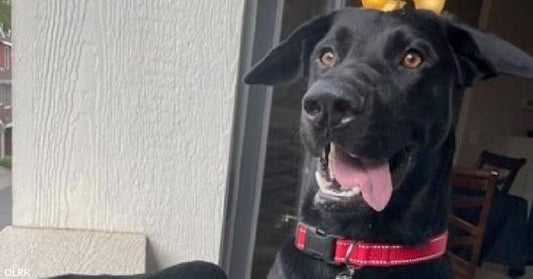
(470, 189)
(506, 167)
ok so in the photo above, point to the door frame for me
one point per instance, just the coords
(262, 25)
(261, 31)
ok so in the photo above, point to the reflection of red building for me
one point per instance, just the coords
(5, 55)
(6, 52)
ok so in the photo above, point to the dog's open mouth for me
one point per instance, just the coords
(345, 177)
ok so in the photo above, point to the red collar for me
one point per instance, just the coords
(338, 250)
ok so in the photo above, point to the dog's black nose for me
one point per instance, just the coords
(329, 109)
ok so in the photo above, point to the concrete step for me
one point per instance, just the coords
(36, 253)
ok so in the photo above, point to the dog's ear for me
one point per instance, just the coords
(482, 56)
(288, 60)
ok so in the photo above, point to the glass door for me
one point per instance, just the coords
(285, 156)
(285, 160)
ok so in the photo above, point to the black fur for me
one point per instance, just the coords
(396, 110)
(191, 270)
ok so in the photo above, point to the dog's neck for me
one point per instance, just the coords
(406, 220)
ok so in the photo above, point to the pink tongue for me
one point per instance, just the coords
(375, 180)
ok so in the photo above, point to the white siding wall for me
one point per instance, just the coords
(123, 111)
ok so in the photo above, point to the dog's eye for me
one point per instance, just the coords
(328, 59)
(412, 60)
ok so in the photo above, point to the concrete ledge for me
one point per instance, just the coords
(37, 253)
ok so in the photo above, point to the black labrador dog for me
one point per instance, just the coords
(378, 116)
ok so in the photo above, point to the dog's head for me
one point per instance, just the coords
(381, 89)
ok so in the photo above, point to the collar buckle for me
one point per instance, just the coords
(320, 245)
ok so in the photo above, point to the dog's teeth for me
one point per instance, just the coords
(330, 162)
(322, 183)
(340, 194)
(348, 193)
(356, 190)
